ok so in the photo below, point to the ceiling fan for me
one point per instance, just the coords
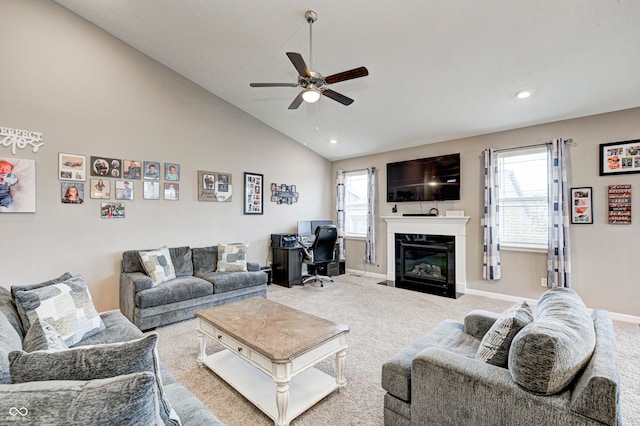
(313, 83)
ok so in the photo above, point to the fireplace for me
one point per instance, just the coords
(452, 227)
(426, 263)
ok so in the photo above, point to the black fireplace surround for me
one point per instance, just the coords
(426, 263)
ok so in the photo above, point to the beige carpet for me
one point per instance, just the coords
(382, 320)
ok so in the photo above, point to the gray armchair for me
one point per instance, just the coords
(439, 380)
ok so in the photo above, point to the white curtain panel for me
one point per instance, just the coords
(340, 212)
(370, 247)
(491, 252)
(559, 254)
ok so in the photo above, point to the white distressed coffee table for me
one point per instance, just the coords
(270, 353)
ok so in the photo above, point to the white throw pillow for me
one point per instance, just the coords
(232, 257)
(158, 265)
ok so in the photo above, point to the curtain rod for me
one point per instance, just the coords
(567, 141)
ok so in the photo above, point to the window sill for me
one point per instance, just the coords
(524, 247)
(355, 237)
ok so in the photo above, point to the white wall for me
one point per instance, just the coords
(603, 255)
(91, 94)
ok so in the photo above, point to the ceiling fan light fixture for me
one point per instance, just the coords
(311, 95)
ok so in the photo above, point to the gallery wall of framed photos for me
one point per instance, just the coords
(116, 179)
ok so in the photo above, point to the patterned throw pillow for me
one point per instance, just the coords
(66, 306)
(232, 257)
(95, 362)
(158, 265)
(494, 347)
(43, 336)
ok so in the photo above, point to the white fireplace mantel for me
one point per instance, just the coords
(430, 225)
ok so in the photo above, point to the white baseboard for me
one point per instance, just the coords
(366, 274)
(532, 302)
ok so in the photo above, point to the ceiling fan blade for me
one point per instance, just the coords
(298, 62)
(273, 84)
(347, 75)
(296, 102)
(337, 97)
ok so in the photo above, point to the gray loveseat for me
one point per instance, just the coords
(197, 286)
(123, 399)
(559, 369)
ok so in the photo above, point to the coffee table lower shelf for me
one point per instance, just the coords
(305, 388)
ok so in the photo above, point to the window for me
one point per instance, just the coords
(355, 204)
(523, 201)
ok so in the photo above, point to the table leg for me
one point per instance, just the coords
(202, 342)
(341, 363)
(282, 401)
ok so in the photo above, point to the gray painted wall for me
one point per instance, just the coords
(603, 255)
(91, 94)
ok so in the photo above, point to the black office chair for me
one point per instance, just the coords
(320, 253)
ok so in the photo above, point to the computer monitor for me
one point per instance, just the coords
(304, 227)
(316, 223)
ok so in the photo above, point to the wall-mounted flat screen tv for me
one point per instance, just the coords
(424, 179)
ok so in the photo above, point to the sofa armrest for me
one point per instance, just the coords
(478, 322)
(451, 389)
(130, 284)
(253, 266)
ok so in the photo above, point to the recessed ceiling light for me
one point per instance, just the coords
(333, 141)
(523, 94)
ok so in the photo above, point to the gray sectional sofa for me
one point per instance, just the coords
(198, 285)
(553, 366)
(124, 390)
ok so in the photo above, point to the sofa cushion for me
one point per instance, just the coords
(228, 281)
(548, 353)
(10, 340)
(158, 264)
(28, 287)
(131, 262)
(94, 362)
(205, 260)
(124, 400)
(42, 336)
(494, 347)
(449, 335)
(182, 261)
(117, 328)
(176, 290)
(232, 258)
(67, 306)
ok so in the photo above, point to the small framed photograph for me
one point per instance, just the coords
(171, 191)
(72, 167)
(581, 205)
(151, 170)
(617, 158)
(132, 169)
(112, 210)
(214, 186)
(124, 190)
(72, 193)
(151, 191)
(18, 190)
(253, 201)
(100, 188)
(172, 172)
(106, 167)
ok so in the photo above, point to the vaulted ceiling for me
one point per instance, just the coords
(438, 70)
